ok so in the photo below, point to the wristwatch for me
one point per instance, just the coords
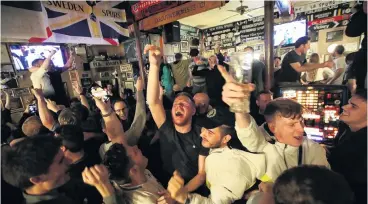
(107, 114)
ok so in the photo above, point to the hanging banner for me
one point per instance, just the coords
(327, 23)
(316, 6)
(89, 22)
(327, 12)
(86, 19)
(146, 8)
(182, 11)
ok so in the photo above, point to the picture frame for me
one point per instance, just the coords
(129, 85)
(124, 67)
(104, 74)
(176, 48)
(129, 76)
(184, 46)
(123, 76)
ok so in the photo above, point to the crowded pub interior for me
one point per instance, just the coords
(157, 101)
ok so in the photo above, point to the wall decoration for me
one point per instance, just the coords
(129, 85)
(176, 48)
(104, 74)
(129, 76)
(123, 76)
(184, 46)
(334, 36)
(20, 92)
(125, 67)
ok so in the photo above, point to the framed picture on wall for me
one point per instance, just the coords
(129, 85)
(176, 48)
(123, 76)
(184, 46)
(129, 75)
(334, 36)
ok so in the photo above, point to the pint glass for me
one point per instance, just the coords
(241, 70)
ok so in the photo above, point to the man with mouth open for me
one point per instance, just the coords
(229, 171)
(284, 119)
(349, 156)
(180, 140)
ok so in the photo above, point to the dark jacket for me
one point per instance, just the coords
(349, 158)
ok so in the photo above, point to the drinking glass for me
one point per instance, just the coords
(241, 70)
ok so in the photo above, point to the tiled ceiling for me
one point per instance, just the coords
(216, 16)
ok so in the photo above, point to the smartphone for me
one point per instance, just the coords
(32, 108)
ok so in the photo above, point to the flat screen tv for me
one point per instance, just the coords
(289, 32)
(24, 55)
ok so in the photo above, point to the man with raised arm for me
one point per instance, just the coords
(180, 140)
(294, 63)
(229, 172)
(284, 119)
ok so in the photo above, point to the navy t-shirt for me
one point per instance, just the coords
(180, 151)
(288, 73)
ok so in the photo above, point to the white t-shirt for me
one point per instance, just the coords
(41, 80)
(321, 72)
(339, 64)
(144, 193)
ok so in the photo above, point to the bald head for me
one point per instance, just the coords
(202, 102)
(32, 126)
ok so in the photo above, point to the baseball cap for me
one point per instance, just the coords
(216, 118)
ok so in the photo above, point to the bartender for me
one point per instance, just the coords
(294, 63)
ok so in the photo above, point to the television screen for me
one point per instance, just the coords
(24, 55)
(289, 32)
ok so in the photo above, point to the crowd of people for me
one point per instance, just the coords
(175, 141)
(180, 147)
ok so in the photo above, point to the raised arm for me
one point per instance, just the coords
(7, 100)
(45, 114)
(46, 64)
(140, 116)
(114, 129)
(246, 128)
(82, 97)
(98, 176)
(153, 88)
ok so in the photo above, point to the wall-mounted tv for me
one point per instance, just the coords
(289, 32)
(24, 55)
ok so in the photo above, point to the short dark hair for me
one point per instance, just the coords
(119, 100)
(361, 93)
(29, 158)
(301, 41)
(311, 184)
(194, 52)
(286, 107)
(36, 61)
(277, 58)
(340, 49)
(80, 111)
(249, 47)
(264, 92)
(118, 163)
(68, 117)
(183, 93)
(178, 56)
(349, 57)
(72, 137)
